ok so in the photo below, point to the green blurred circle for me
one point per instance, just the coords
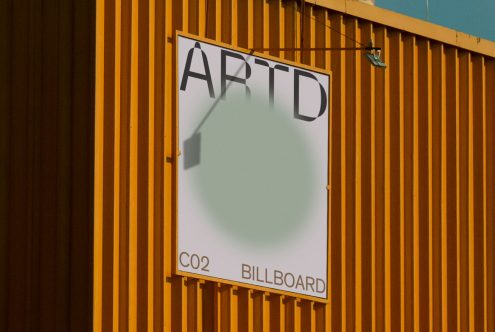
(255, 174)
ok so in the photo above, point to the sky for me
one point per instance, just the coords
(475, 17)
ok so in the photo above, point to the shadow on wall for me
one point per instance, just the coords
(46, 165)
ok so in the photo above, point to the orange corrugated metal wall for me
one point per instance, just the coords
(46, 164)
(412, 213)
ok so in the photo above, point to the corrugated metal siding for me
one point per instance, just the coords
(46, 164)
(412, 211)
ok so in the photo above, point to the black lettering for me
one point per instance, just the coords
(257, 269)
(277, 277)
(318, 283)
(271, 76)
(293, 280)
(300, 282)
(310, 281)
(195, 257)
(233, 78)
(246, 271)
(266, 277)
(187, 71)
(323, 98)
(180, 259)
(205, 266)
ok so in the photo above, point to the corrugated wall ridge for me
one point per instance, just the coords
(412, 213)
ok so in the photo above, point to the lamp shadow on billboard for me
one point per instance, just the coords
(192, 151)
(192, 145)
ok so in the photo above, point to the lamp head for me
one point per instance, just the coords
(374, 59)
(373, 56)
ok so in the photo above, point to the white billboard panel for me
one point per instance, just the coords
(253, 172)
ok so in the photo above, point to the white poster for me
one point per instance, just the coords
(253, 170)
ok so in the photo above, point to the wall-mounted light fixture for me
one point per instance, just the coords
(373, 56)
(372, 53)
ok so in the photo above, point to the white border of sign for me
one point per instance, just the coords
(182, 272)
